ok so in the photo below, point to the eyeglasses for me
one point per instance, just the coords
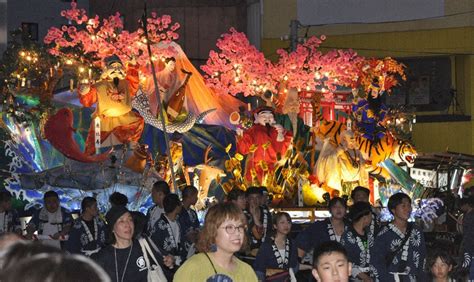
(230, 229)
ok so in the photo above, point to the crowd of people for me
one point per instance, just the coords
(240, 240)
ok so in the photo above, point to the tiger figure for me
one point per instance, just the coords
(373, 152)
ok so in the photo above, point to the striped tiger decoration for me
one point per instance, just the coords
(388, 147)
(331, 129)
(373, 152)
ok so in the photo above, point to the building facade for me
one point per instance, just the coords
(202, 21)
(34, 17)
(434, 38)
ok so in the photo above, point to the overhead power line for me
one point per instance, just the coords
(387, 22)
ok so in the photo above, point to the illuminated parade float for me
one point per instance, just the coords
(103, 109)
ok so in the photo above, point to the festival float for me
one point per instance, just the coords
(103, 109)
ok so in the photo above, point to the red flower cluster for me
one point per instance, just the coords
(386, 70)
(239, 67)
(89, 36)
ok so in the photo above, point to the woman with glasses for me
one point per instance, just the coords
(277, 255)
(223, 235)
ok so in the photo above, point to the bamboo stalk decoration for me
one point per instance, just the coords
(157, 94)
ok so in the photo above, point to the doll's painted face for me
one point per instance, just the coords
(264, 118)
(348, 140)
(292, 102)
(374, 91)
(114, 70)
(170, 65)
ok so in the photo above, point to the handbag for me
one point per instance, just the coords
(283, 276)
(169, 272)
(155, 273)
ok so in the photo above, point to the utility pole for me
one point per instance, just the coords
(294, 24)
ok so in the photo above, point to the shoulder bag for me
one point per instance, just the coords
(155, 273)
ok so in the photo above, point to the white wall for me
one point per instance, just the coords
(316, 12)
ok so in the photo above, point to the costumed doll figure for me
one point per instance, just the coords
(113, 97)
(291, 120)
(340, 163)
(370, 113)
(177, 76)
(203, 117)
(262, 143)
(173, 89)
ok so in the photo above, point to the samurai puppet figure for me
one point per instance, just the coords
(262, 143)
(113, 96)
(370, 113)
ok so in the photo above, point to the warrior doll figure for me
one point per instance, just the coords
(370, 113)
(113, 97)
(268, 138)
